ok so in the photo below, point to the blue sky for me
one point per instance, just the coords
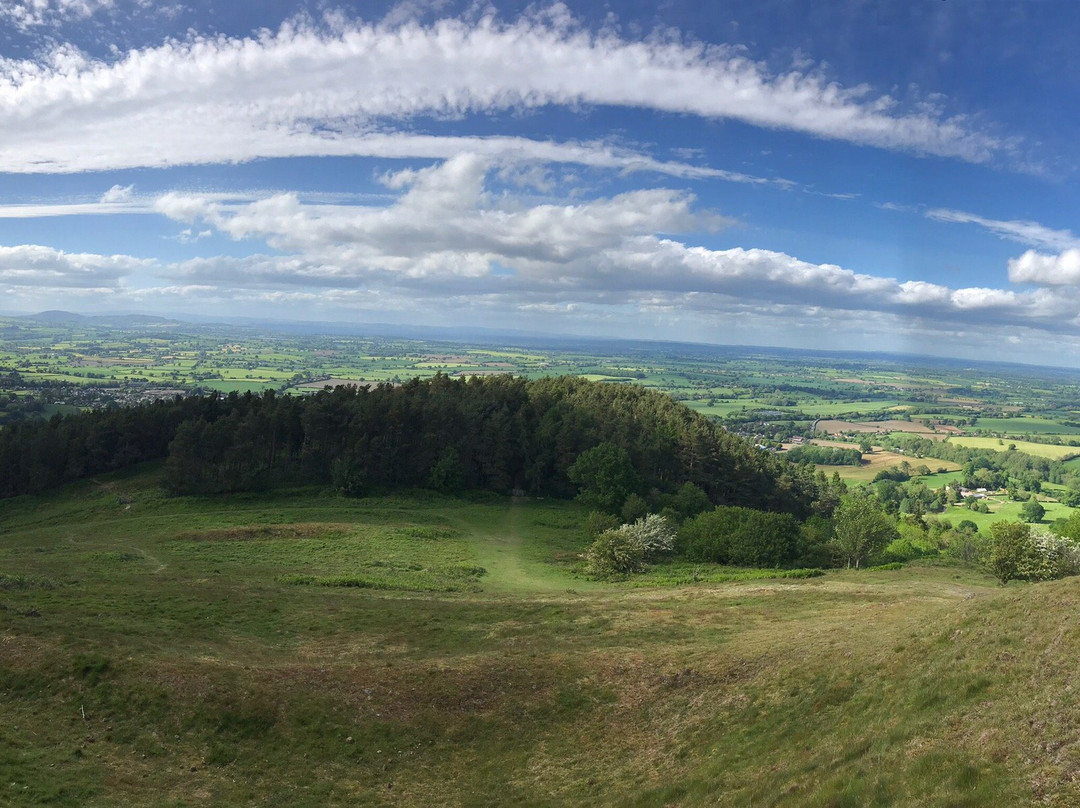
(874, 175)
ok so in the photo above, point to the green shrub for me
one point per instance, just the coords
(635, 507)
(597, 522)
(605, 476)
(815, 543)
(903, 549)
(741, 536)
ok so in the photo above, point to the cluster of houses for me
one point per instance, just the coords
(967, 493)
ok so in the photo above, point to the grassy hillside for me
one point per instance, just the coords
(304, 649)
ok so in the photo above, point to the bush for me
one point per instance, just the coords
(598, 522)
(741, 536)
(614, 553)
(967, 545)
(448, 474)
(1018, 552)
(1051, 557)
(605, 475)
(815, 543)
(635, 507)
(690, 500)
(1010, 544)
(902, 549)
(655, 534)
(625, 549)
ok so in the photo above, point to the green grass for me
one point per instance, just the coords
(1001, 445)
(941, 479)
(221, 650)
(1026, 425)
(1006, 511)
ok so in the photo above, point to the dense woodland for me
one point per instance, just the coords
(496, 433)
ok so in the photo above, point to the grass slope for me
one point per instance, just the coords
(198, 651)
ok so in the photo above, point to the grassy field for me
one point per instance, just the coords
(940, 480)
(1026, 425)
(302, 649)
(881, 460)
(1004, 510)
(1036, 449)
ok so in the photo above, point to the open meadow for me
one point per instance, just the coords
(305, 649)
(1038, 449)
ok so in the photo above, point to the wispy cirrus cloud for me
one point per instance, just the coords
(1060, 267)
(220, 99)
(1032, 234)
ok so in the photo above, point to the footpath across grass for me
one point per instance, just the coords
(212, 651)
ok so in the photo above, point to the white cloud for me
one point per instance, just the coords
(447, 237)
(30, 265)
(444, 222)
(1030, 233)
(32, 13)
(1048, 270)
(205, 100)
(446, 242)
(118, 193)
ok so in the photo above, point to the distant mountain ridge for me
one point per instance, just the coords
(59, 316)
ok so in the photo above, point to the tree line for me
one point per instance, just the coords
(497, 433)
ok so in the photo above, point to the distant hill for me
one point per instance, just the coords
(57, 316)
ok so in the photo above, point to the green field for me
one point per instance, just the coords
(303, 649)
(1036, 449)
(874, 464)
(1027, 425)
(1007, 511)
(939, 480)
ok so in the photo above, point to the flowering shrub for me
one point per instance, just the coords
(625, 548)
(1021, 552)
(1050, 557)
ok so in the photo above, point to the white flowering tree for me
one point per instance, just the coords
(625, 549)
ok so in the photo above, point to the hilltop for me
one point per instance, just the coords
(308, 649)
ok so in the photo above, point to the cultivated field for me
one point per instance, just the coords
(880, 460)
(920, 428)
